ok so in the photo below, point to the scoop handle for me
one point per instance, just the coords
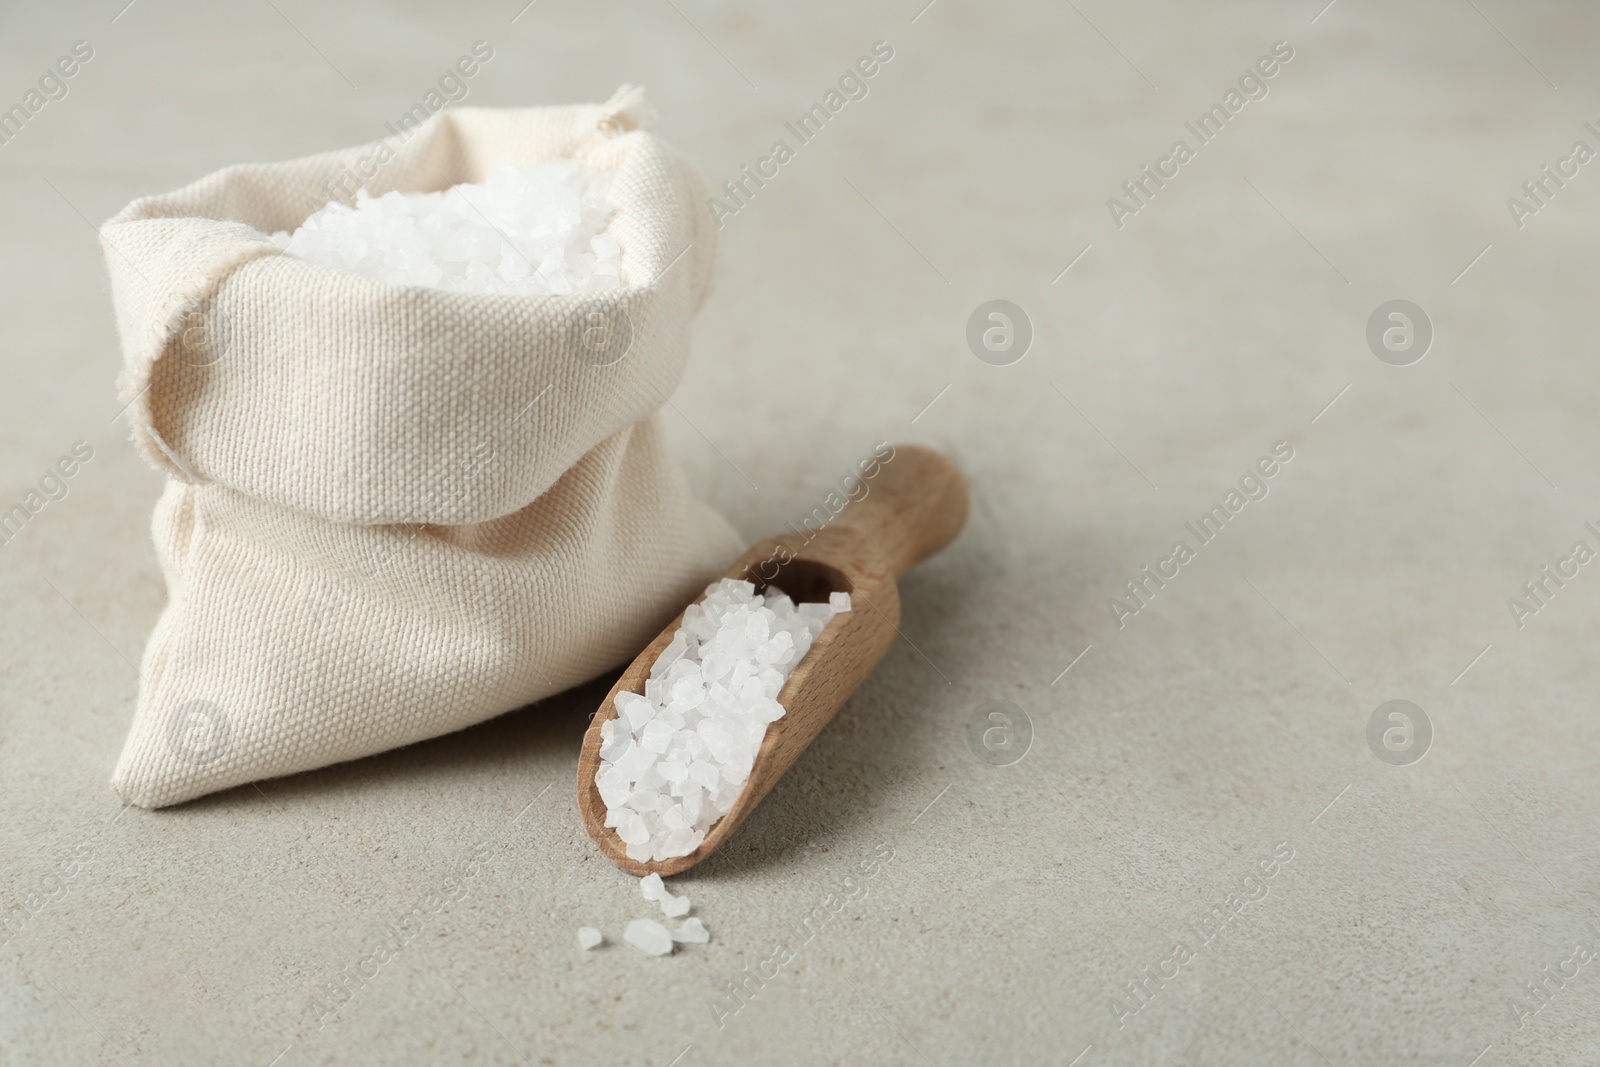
(915, 505)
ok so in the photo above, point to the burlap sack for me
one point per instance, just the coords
(393, 512)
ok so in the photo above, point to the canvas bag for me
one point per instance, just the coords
(392, 512)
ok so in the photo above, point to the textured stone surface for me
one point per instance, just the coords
(1225, 718)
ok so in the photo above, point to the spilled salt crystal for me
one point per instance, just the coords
(656, 890)
(589, 937)
(692, 932)
(649, 937)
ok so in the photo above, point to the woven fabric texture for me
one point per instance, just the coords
(393, 512)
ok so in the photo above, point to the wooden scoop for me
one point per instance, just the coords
(915, 506)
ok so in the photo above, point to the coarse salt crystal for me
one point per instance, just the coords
(692, 932)
(636, 709)
(649, 937)
(589, 937)
(653, 888)
(632, 829)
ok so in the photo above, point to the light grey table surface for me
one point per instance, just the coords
(1225, 720)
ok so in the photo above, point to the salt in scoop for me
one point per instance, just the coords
(914, 507)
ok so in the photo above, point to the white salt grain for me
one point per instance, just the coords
(528, 231)
(649, 937)
(692, 932)
(589, 937)
(655, 889)
(675, 759)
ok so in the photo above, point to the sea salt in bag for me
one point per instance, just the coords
(393, 512)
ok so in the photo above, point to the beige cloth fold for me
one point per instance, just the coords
(393, 512)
